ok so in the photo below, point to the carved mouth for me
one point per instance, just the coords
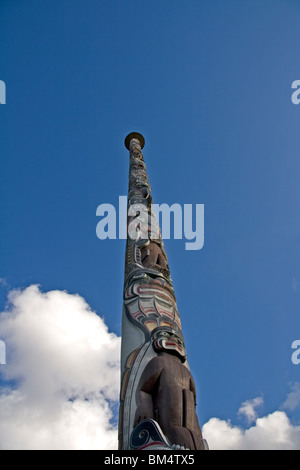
(174, 345)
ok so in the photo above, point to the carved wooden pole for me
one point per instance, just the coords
(158, 397)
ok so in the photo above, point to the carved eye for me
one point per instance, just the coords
(165, 333)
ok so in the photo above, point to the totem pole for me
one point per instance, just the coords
(158, 397)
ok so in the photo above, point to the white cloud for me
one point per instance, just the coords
(66, 364)
(272, 432)
(293, 399)
(248, 409)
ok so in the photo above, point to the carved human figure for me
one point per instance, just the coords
(152, 256)
(166, 393)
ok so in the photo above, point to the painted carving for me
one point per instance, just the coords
(166, 393)
(158, 397)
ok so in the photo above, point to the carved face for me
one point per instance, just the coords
(166, 339)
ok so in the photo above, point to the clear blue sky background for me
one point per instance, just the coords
(208, 83)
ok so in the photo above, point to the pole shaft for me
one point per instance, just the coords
(157, 399)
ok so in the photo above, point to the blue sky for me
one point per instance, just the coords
(208, 83)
